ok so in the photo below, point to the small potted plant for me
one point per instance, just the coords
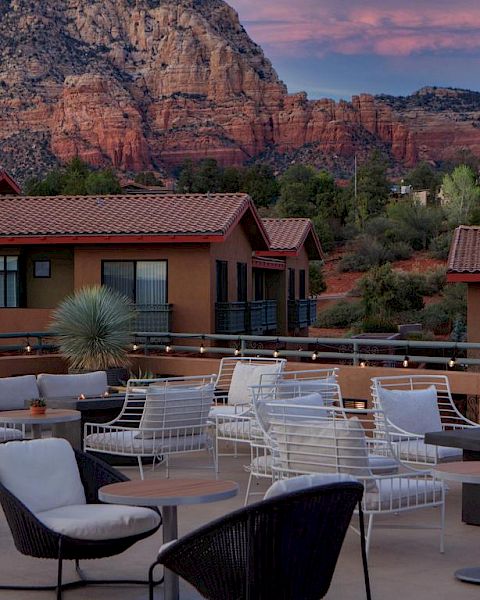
(38, 406)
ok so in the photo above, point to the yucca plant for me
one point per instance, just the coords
(93, 328)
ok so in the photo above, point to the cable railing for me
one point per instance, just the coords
(358, 352)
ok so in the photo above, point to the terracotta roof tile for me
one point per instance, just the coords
(287, 234)
(464, 256)
(210, 214)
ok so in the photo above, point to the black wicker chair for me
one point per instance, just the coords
(33, 538)
(284, 548)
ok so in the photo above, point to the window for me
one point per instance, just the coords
(259, 285)
(302, 291)
(222, 281)
(291, 284)
(41, 269)
(143, 281)
(242, 282)
(8, 281)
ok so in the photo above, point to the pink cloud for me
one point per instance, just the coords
(375, 26)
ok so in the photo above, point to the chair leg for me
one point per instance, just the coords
(369, 534)
(442, 526)
(59, 572)
(247, 493)
(140, 466)
(364, 552)
(167, 466)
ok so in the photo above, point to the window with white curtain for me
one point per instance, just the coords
(143, 281)
(8, 281)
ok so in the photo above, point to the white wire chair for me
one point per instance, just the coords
(318, 439)
(409, 416)
(234, 380)
(289, 385)
(300, 387)
(159, 418)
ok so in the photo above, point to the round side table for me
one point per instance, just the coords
(52, 416)
(462, 472)
(168, 494)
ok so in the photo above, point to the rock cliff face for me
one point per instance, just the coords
(141, 84)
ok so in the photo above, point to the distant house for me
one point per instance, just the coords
(8, 186)
(464, 266)
(130, 187)
(193, 263)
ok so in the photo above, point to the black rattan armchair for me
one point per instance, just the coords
(34, 538)
(284, 548)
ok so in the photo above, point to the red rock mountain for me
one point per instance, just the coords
(143, 84)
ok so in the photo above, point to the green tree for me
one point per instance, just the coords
(186, 179)
(424, 177)
(102, 182)
(373, 189)
(316, 278)
(413, 223)
(208, 177)
(261, 184)
(231, 180)
(295, 201)
(147, 178)
(461, 195)
(378, 289)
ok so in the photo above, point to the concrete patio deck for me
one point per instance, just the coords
(403, 563)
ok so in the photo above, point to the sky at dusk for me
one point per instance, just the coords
(336, 48)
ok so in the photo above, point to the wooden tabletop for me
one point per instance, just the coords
(51, 416)
(467, 438)
(465, 472)
(168, 492)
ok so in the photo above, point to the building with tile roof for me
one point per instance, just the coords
(190, 262)
(8, 186)
(463, 266)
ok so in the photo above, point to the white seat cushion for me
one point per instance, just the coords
(261, 464)
(224, 409)
(303, 482)
(99, 521)
(417, 450)
(381, 465)
(8, 434)
(43, 474)
(400, 492)
(234, 430)
(128, 442)
(414, 411)
(15, 392)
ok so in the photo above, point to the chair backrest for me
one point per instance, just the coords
(238, 374)
(178, 407)
(42, 474)
(416, 403)
(303, 482)
(321, 439)
(15, 392)
(317, 387)
(284, 547)
(56, 387)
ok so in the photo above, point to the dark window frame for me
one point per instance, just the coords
(221, 291)
(36, 275)
(135, 261)
(291, 284)
(242, 282)
(3, 274)
(302, 284)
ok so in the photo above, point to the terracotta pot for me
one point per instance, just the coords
(38, 410)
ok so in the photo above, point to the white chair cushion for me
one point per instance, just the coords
(323, 446)
(417, 450)
(303, 482)
(15, 392)
(246, 375)
(225, 410)
(235, 429)
(8, 434)
(295, 407)
(43, 474)
(382, 465)
(99, 521)
(261, 464)
(169, 408)
(91, 385)
(128, 442)
(415, 411)
(400, 492)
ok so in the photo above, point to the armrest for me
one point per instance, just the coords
(94, 474)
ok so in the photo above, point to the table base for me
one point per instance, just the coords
(469, 575)
(471, 494)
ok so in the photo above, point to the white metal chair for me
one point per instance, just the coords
(318, 439)
(317, 388)
(235, 378)
(289, 385)
(414, 405)
(160, 417)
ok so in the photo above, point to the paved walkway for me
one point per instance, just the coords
(404, 564)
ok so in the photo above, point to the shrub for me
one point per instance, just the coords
(440, 245)
(398, 251)
(316, 277)
(378, 325)
(435, 281)
(342, 314)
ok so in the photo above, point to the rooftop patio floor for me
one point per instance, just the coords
(403, 563)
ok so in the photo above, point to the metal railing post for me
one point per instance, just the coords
(243, 347)
(355, 354)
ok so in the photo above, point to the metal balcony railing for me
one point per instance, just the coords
(153, 317)
(230, 317)
(255, 318)
(270, 315)
(301, 313)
